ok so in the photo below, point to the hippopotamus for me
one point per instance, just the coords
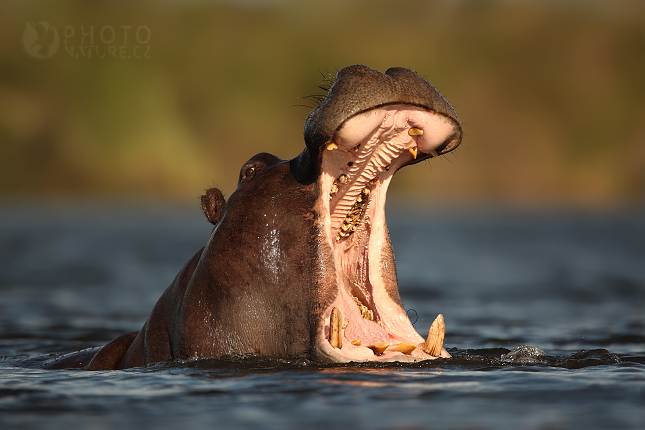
(299, 262)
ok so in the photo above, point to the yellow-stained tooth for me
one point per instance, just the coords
(404, 348)
(413, 151)
(335, 326)
(415, 132)
(356, 342)
(434, 344)
(378, 348)
(434, 153)
(331, 145)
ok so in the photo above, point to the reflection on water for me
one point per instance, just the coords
(570, 283)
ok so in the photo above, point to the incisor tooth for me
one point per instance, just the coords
(415, 132)
(434, 344)
(378, 348)
(404, 348)
(331, 145)
(356, 342)
(413, 151)
(434, 153)
(336, 325)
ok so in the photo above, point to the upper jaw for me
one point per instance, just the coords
(370, 147)
(357, 166)
(401, 126)
(358, 89)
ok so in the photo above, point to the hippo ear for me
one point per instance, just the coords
(213, 205)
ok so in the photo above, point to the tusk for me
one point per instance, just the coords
(336, 325)
(413, 151)
(434, 344)
(415, 132)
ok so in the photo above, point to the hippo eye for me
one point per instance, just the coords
(248, 173)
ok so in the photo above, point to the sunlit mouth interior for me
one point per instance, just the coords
(366, 321)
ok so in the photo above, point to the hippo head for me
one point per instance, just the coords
(306, 240)
(300, 258)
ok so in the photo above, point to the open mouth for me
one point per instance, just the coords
(366, 321)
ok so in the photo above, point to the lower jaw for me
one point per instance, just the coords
(351, 353)
(376, 343)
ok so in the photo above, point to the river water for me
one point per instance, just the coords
(571, 283)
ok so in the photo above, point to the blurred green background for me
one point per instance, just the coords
(551, 94)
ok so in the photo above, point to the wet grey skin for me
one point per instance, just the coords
(303, 239)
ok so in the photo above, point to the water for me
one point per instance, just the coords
(570, 283)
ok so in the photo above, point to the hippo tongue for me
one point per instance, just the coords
(357, 166)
